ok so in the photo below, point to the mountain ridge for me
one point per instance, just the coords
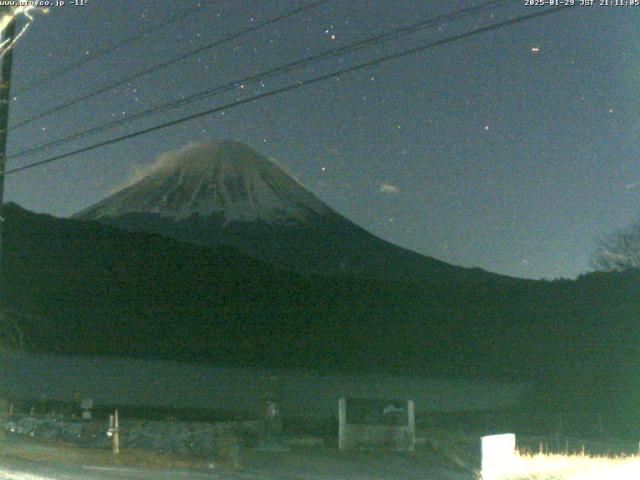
(296, 231)
(106, 291)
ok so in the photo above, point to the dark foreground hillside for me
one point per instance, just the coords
(98, 290)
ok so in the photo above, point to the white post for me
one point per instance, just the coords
(342, 423)
(114, 433)
(411, 414)
(498, 455)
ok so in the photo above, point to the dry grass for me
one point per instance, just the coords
(464, 451)
(568, 467)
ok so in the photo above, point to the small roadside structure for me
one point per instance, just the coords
(376, 423)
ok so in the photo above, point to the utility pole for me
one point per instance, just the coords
(8, 36)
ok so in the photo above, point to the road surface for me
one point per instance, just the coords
(308, 464)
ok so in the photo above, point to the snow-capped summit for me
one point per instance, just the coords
(225, 193)
(217, 177)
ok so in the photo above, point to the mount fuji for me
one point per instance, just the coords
(225, 193)
(225, 179)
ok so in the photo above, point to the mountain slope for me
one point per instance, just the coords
(98, 289)
(225, 193)
(103, 290)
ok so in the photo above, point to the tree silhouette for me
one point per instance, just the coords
(619, 251)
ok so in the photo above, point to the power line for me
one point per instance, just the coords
(160, 66)
(294, 86)
(211, 92)
(116, 46)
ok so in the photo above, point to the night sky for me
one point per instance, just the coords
(511, 151)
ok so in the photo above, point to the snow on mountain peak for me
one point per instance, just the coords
(215, 177)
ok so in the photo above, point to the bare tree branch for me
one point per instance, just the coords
(620, 251)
